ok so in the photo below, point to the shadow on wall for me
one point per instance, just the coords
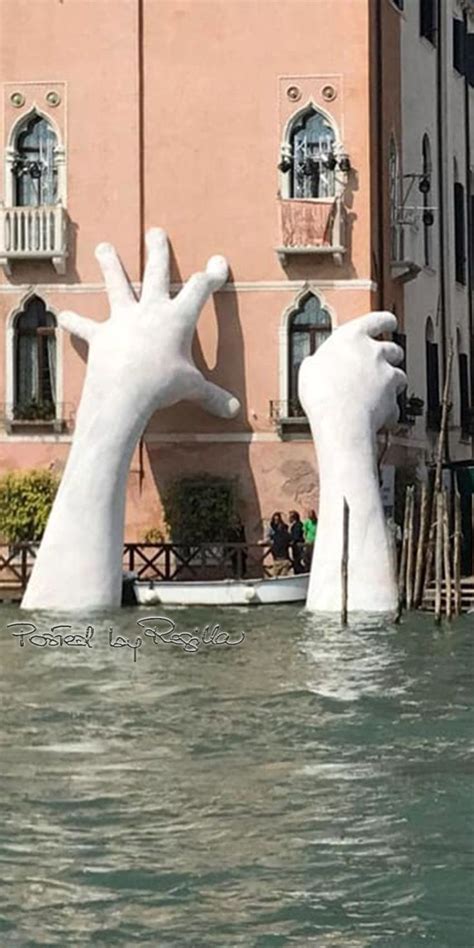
(170, 460)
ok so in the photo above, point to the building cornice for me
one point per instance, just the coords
(256, 286)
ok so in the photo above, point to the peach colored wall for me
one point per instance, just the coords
(212, 126)
(92, 47)
(213, 116)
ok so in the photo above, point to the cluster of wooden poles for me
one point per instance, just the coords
(431, 534)
(429, 541)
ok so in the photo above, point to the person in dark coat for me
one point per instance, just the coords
(279, 537)
(297, 541)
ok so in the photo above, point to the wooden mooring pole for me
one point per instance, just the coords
(439, 466)
(403, 556)
(345, 562)
(446, 556)
(438, 555)
(410, 549)
(457, 554)
(420, 553)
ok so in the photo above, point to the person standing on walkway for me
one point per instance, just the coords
(310, 529)
(297, 541)
(280, 540)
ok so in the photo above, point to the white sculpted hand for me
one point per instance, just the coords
(352, 381)
(141, 355)
(348, 390)
(139, 360)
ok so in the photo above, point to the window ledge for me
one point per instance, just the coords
(294, 429)
(284, 253)
(56, 425)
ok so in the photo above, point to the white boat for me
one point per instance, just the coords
(223, 592)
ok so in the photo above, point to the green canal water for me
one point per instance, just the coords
(306, 787)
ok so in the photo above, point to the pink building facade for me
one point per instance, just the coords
(242, 128)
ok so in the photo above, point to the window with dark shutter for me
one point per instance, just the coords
(469, 49)
(459, 233)
(433, 416)
(464, 393)
(459, 34)
(471, 235)
(428, 20)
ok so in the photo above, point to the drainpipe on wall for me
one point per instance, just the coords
(141, 138)
(141, 186)
(442, 203)
(470, 250)
(380, 154)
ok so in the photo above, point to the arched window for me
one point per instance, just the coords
(35, 362)
(309, 327)
(459, 228)
(427, 169)
(312, 140)
(464, 399)
(34, 166)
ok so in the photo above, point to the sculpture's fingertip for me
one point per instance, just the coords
(104, 249)
(233, 407)
(156, 236)
(218, 270)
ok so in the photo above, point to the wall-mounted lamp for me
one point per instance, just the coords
(345, 163)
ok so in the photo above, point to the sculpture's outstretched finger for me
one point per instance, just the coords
(78, 326)
(200, 287)
(156, 279)
(118, 287)
(216, 400)
(217, 270)
(391, 352)
(374, 324)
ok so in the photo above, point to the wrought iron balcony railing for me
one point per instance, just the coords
(33, 233)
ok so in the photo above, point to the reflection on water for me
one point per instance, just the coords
(309, 786)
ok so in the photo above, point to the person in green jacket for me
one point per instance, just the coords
(310, 529)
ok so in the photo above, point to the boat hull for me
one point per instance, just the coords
(226, 592)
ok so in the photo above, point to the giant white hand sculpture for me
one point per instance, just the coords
(139, 360)
(348, 390)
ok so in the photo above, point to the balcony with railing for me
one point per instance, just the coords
(313, 227)
(33, 233)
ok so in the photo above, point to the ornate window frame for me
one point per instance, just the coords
(286, 149)
(10, 361)
(10, 153)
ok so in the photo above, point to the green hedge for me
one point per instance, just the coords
(26, 498)
(199, 509)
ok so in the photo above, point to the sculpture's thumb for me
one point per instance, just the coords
(216, 400)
